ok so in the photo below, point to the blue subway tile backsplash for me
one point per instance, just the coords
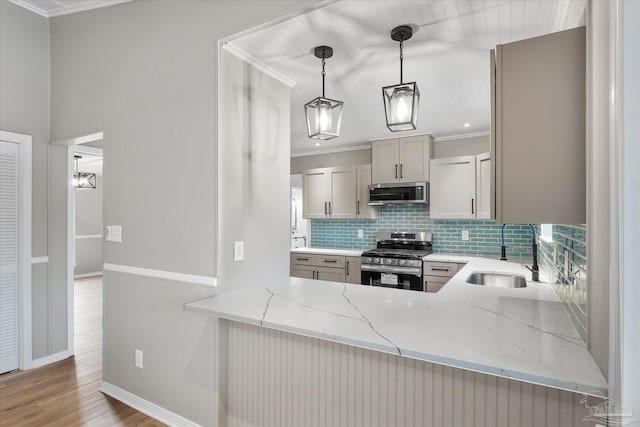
(485, 235)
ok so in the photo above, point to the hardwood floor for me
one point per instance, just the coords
(66, 393)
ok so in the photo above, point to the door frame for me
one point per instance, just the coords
(75, 147)
(25, 356)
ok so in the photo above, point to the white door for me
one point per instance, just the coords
(315, 193)
(9, 256)
(413, 160)
(384, 161)
(453, 188)
(483, 186)
(343, 193)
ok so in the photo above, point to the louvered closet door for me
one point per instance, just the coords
(8, 256)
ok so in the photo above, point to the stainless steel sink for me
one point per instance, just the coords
(497, 280)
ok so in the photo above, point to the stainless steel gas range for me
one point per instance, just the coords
(396, 262)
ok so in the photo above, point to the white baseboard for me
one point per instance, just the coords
(80, 276)
(146, 407)
(52, 358)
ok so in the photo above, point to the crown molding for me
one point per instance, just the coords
(67, 10)
(255, 62)
(462, 136)
(331, 150)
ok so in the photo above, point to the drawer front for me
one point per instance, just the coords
(444, 269)
(434, 283)
(330, 261)
(303, 259)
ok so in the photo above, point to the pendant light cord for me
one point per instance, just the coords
(401, 58)
(323, 74)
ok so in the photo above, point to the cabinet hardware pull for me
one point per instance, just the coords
(302, 259)
(333, 261)
(313, 274)
(471, 205)
(330, 208)
(358, 207)
(440, 268)
(400, 170)
(348, 267)
(396, 171)
(325, 208)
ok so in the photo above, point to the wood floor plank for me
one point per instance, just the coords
(66, 393)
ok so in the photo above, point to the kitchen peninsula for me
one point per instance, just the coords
(523, 334)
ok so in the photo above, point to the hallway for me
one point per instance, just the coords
(66, 393)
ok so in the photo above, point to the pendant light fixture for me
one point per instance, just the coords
(324, 115)
(401, 100)
(83, 179)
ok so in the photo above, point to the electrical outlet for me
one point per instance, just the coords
(360, 234)
(238, 250)
(139, 355)
(114, 233)
(465, 235)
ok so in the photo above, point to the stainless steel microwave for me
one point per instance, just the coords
(399, 193)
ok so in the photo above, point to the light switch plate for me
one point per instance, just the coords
(465, 235)
(238, 250)
(139, 355)
(360, 233)
(114, 233)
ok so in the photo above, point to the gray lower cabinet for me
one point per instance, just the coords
(352, 270)
(437, 274)
(324, 267)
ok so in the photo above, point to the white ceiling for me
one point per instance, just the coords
(448, 56)
(51, 8)
(90, 163)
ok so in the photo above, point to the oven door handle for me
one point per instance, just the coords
(395, 270)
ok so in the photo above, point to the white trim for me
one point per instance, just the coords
(462, 136)
(71, 250)
(89, 236)
(52, 358)
(366, 146)
(39, 260)
(149, 408)
(255, 62)
(409, 135)
(83, 275)
(24, 200)
(98, 136)
(67, 10)
(161, 274)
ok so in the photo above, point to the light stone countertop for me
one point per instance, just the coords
(523, 334)
(328, 251)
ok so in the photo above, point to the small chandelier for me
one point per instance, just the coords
(401, 100)
(83, 179)
(324, 115)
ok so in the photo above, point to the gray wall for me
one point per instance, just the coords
(24, 108)
(254, 175)
(343, 158)
(449, 148)
(152, 89)
(88, 218)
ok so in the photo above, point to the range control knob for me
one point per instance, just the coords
(401, 262)
(376, 260)
(367, 260)
(388, 261)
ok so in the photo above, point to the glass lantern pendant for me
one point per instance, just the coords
(324, 115)
(83, 179)
(401, 100)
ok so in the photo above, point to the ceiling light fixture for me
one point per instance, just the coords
(467, 125)
(324, 115)
(83, 179)
(401, 100)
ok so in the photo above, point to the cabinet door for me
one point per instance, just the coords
(330, 274)
(483, 186)
(343, 193)
(434, 283)
(303, 271)
(315, 193)
(540, 120)
(414, 154)
(352, 270)
(384, 161)
(453, 187)
(363, 179)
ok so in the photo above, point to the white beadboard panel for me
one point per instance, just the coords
(281, 379)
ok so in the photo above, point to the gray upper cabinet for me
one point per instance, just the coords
(401, 160)
(329, 193)
(363, 210)
(538, 129)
